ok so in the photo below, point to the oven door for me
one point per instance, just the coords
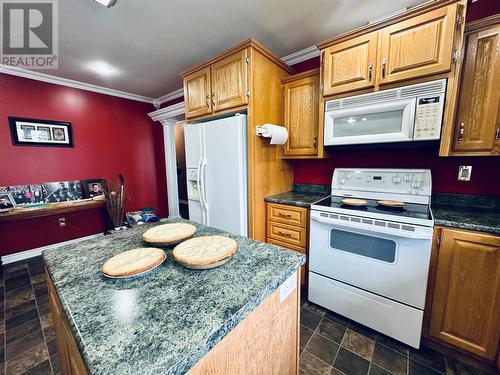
(384, 261)
(371, 123)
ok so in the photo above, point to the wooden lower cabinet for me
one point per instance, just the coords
(465, 310)
(288, 226)
(69, 355)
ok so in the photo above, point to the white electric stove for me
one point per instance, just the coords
(370, 263)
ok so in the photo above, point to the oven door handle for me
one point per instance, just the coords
(371, 228)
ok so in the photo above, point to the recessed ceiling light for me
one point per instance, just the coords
(102, 68)
(106, 3)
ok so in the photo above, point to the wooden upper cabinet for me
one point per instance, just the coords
(477, 127)
(197, 93)
(301, 114)
(350, 65)
(466, 298)
(418, 46)
(229, 81)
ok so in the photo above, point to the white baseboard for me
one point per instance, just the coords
(11, 258)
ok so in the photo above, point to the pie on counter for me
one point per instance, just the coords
(169, 234)
(133, 262)
(205, 252)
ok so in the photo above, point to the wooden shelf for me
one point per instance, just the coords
(50, 209)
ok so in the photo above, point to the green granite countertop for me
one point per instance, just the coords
(471, 212)
(302, 195)
(167, 320)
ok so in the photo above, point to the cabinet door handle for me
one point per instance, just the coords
(285, 234)
(497, 134)
(207, 100)
(213, 98)
(461, 131)
(315, 142)
(370, 71)
(383, 67)
(284, 215)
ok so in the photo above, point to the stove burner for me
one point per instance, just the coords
(356, 208)
(391, 208)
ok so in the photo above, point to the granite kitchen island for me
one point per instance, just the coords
(241, 316)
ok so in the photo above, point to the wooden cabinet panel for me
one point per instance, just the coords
(301, 115)
(287, 233)
(466, 298)
(290, 215)
(230, 81)
(197, 93)
(350, 65)
(418, 46)
(303, 269)
(478, 116)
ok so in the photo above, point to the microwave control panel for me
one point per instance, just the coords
(428, 117)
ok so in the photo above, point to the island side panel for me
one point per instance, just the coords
(69, 355)
(265, 342)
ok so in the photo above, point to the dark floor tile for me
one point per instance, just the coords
(56, 366)
(314, 308)
(25, 361)
(389, 359)
(417, 368)
(49, 333)
(322, 348)
(350, 363)
(16, 266)
(20, 309)
(23, 297)
(336, 372)
(393, 344)
(40, 289)
(310, 365)
(20, 314)
(12, 293)
(17, 277)
(377, 370)
(337, 318)
(39, 278)
(2, 351)
(22, 330)
(47, 321)
(456, 367)
(429, 357)
(52, 346)
(305, 335)
(15, 286)
(368, 332)
(24, 344)
(332, 330)
(40, 369)
(309, 319)
(359, 344)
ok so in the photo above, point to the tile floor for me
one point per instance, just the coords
(330, 344)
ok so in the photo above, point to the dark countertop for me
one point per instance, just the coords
(167, 320)
(302, 195)
(470, 218)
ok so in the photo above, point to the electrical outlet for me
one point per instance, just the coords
(464, 172)
(62, 221)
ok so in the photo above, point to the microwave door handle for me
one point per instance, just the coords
(370, 228)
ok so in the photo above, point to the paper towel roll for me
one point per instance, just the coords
(278, 134)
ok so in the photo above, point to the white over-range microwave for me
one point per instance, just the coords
(403, 114)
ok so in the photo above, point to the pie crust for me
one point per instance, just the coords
(133, 262)
(204, 251)
(169, 234)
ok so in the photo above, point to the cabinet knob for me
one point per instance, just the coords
(461, 131)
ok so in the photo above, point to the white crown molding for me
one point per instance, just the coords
(302, 55)
(171, 96)
(25, 73)
(11, 258)
(169, 115)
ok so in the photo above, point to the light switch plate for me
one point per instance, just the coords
(464, 172)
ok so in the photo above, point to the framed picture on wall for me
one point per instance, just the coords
(36, 132)
(92, 188)
(7, 202)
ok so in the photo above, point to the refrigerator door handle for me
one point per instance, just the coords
(198, 183)
(202, 185)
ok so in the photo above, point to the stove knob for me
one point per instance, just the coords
(396, 179)
(408, 177)
(416, 184)
(342, 180)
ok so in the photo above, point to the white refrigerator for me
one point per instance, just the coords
(216, 163)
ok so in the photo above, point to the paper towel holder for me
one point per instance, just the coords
(264, 132)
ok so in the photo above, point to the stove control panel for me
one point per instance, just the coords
(393, 181)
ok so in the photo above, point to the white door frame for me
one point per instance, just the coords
(169, 116)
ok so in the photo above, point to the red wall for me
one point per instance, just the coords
(111, 135)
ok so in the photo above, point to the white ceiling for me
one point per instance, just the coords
(150, 42)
